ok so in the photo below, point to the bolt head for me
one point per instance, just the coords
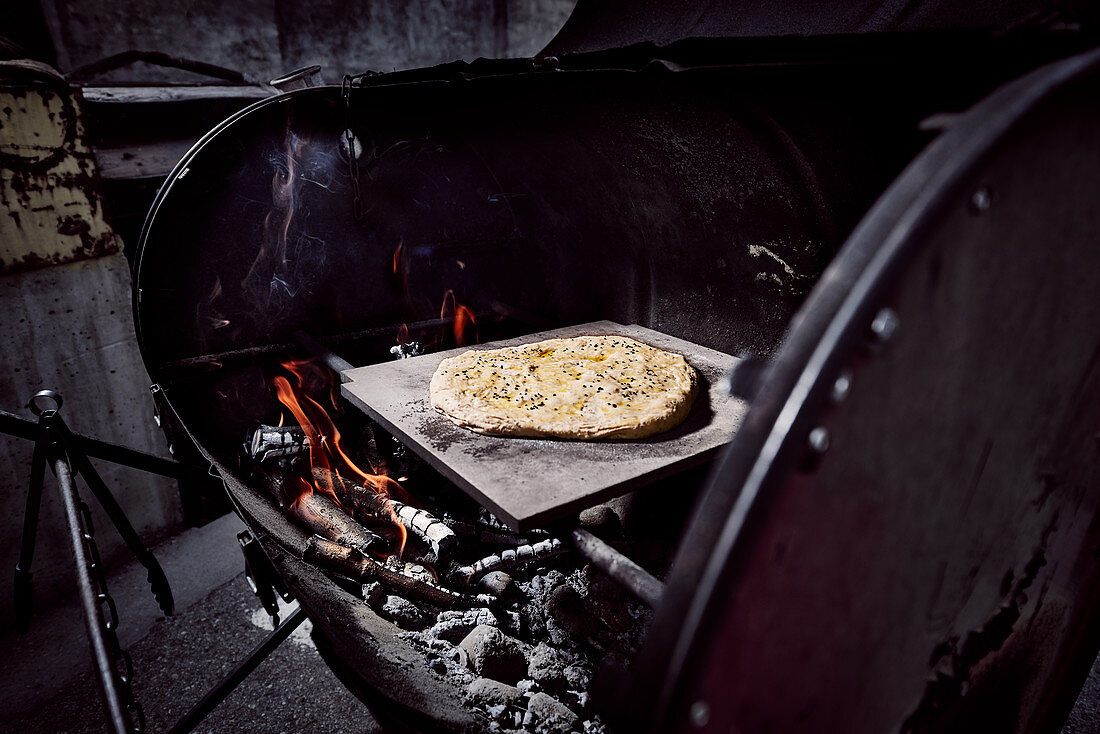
(981, 200)
(699, 714)
(885, 325)
(819, 440)
(841, 387)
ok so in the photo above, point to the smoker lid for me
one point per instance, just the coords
(598, 25)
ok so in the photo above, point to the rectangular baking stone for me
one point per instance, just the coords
(530, 481)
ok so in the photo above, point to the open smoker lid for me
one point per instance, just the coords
(599, 25)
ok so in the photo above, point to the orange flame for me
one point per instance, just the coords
(327, 456)
(463, 319)
(397, 259)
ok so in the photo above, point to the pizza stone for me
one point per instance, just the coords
(584, 387)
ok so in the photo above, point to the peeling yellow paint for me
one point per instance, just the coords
(49, 184)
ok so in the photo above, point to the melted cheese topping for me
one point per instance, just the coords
(583, 387)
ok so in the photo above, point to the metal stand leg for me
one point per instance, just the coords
(218, 694)
(57, 447)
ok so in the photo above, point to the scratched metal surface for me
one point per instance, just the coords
(530, 481)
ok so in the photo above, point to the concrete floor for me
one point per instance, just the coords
(48, 684)
(179, 658)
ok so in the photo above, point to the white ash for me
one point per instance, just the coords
(594, 726)
(402, 612)
(546, 666)
(374, 593)
(493, 654)
(453, 625)
(488, 691)
(553, 716)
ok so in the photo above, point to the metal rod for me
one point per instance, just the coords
(218, 694)
(24, 584)
(16, 425)
(620, 569)
(216, 359)
(116, 715)
(332, 360)
(158, 581)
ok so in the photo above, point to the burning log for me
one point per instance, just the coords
(351, 562)
(321, 515)
(486, 528)
(277, 442)
(510, 558)
(406, 350)
(421, 523)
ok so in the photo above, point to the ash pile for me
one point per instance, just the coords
(518, 621)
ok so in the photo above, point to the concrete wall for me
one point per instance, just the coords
(68, 327)
(265, 38)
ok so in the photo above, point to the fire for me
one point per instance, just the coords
(328, 461)
(463, 319)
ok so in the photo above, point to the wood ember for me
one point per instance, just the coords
(486, 528)
(510, 558)
(321, 515)
(352, 563)
(421, 523)
(278, 442)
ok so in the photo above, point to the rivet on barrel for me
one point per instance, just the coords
(699, 714)
(841, 387)
(885, 325)
(981, 200)
(818, 440)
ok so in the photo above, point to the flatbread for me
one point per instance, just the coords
(585, 387)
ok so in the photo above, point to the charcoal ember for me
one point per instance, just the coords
(402, 612)
(600, 586)
(538, 590)
(496, 583)
(547, 667)
(489, 692)
(495, 655)
(374, 594)
(594, 726)
(577, 678)
(511, 622)
(453, 625)
(571, 611)
(540, 586)
(601, 520)
(551, 715)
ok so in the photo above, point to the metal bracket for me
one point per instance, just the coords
(262, 577)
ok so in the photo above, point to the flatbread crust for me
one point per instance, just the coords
(585, 387)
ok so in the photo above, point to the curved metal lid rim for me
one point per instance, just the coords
(811, 358)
